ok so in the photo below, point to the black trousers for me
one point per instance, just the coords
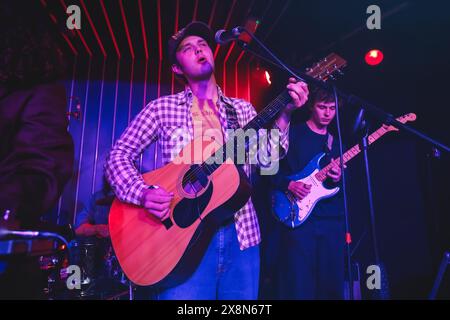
(311, 262)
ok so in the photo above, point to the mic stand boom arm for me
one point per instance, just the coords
(353, 100)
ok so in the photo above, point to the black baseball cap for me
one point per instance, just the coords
(195, 28)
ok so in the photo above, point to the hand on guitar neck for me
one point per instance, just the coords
(335, 172)
(157, 201)
(299, 92)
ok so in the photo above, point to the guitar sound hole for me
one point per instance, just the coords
(194, 181)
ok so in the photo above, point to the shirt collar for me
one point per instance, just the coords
(186, 96)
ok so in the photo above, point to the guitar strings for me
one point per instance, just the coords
(266, 115)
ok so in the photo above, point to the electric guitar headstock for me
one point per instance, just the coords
(403, 119)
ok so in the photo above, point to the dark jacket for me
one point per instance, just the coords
(36, 151)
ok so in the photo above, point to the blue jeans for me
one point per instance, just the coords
(225, 272)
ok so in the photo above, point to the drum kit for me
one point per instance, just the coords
(100, 275)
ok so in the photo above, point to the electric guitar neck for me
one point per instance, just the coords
(356, 149)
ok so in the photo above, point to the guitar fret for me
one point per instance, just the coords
(349, 154)
(375, 136)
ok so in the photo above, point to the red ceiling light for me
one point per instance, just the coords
(267, 77)
(374, 57)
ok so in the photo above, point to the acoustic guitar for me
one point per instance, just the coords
(206, 195)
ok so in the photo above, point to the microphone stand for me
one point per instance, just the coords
(362, 126)
(365, 145)
(31, 234)
(354, 101)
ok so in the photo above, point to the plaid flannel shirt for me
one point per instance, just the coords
(159, 121)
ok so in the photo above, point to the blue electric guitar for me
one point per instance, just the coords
(291, 211)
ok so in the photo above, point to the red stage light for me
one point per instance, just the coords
(374, 57)
(267, 77)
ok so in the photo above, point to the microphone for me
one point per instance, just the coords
(359, 122)
(222, 36)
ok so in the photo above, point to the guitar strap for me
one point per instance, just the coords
(232, 119)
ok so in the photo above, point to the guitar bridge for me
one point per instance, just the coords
(291, 199)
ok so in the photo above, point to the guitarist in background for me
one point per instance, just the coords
(312, 255)
(92, 221)
(230, 266)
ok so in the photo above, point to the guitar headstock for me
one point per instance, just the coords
(327, 67)
(403, 119)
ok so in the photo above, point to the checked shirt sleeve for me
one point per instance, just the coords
(120, 168)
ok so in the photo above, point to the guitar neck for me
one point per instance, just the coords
(269, 112)
(351, 153)
(258, 122)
